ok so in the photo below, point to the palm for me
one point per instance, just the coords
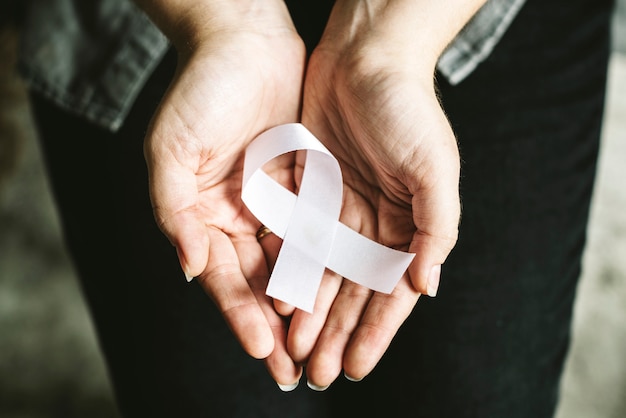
(216, 106)
(369, 122)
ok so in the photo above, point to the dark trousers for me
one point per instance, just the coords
(491, 344)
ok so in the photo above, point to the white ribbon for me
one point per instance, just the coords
(308, 223)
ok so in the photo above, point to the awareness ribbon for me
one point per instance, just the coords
(308, 223)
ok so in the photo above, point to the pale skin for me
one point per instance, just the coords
(369, 96)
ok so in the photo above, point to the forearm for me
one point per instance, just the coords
(415, 30)
(188, 22)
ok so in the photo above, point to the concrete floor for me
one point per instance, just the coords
(50, 365)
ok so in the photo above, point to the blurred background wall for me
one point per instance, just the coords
(50, 365)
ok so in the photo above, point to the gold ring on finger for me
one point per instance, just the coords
(262, 232)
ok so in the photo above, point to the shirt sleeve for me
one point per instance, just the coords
(91, 58)
(477, 39)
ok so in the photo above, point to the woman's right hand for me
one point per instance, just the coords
(240, 72)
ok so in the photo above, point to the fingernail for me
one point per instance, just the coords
(433, 281)
(287, 388)
(315, 387)
(183, 265)
(352, 379)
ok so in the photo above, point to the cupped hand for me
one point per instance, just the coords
(232, 83)
(378, 113)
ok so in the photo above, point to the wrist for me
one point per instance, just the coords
(413, 33)
(188, 23)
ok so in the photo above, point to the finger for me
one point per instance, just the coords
(436, 215)
(305, 327)
(279, 364)
(270, 244)
(225, 282)
(326, 360)
(283, 309)
(436, 210)
(382, 319)
(174, 197)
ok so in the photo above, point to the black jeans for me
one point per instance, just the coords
(491, 344)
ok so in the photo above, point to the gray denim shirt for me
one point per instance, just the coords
(93, 57)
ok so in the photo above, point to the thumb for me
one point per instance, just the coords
(436, 212)
(174, 197)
